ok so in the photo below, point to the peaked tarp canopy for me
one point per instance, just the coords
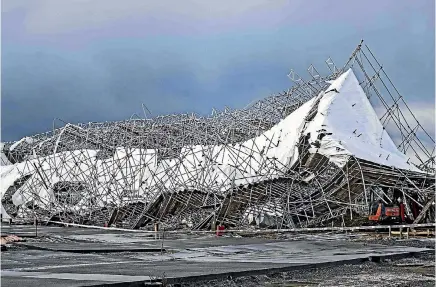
(352, 128)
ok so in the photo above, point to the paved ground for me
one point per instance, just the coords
(186, 256)
(418, 270)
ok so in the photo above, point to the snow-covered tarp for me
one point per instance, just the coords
(352, 128)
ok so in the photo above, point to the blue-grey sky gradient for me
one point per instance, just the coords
(98, 60)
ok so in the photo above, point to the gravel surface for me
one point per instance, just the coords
(413, 271)
(419, 243)
(405, 272)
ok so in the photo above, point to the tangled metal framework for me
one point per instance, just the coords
(236, 167)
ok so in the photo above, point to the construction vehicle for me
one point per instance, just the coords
(381, 213)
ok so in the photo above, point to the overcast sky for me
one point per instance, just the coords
(98, 60)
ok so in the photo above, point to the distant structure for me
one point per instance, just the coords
(315, 153)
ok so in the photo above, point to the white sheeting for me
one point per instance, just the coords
(346, 113)
(216, 168)
(3, 159)
(25, 139)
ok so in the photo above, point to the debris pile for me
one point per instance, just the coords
(302, 158)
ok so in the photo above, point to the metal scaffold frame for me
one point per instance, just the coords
(101, 173)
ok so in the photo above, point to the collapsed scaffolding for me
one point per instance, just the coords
(284, 161)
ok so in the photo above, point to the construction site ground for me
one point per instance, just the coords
(61, 256)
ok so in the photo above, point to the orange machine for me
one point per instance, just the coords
(382, 213)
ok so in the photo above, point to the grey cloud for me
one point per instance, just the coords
(81, 76)
(54, 16)
(424, 113)
(421, 112)
(38, 89)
